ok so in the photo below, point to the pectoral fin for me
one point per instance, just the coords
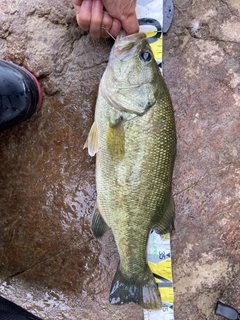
(99, 226)
(92, 141)
(115, 139)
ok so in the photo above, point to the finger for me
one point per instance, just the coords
(96, 19)
(107, 23)
(77, 2)
(130, 24)
(83, 15)
(115, 28)
(124, 12)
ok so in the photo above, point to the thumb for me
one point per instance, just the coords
(130, 24)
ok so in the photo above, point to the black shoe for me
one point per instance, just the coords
(11, 311)
(20, 95)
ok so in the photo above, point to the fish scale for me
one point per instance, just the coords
(135, 150)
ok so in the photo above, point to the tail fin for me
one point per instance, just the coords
(142, 290)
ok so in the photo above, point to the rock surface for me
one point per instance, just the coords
(49, 261)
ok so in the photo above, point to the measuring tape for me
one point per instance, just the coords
(155, 17)
(159, 261)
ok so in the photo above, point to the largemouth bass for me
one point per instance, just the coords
(133, 137)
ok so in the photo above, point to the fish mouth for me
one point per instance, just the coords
(127, 44)
(136, 37)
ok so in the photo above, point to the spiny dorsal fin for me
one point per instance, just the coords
(92, 140)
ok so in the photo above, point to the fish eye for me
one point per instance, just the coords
(146, 56)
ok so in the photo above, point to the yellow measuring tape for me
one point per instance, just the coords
(157, 45)
(159, 261)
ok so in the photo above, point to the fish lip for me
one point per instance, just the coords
(129, 38)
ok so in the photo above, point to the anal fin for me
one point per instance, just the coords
(99, 226)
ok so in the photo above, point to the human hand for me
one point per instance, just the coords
(113, 14)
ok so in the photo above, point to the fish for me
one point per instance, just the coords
(134, 139)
